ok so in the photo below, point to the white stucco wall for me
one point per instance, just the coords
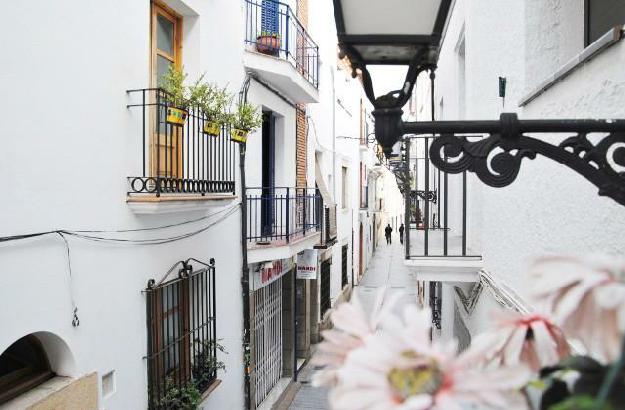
(549, 208)
(69, 146)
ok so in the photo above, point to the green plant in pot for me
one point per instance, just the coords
(177, 95)
(185, 397)
(245, 119)
(213, 102)
(268, 42)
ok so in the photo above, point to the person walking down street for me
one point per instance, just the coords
(401, 233)
(387, 232)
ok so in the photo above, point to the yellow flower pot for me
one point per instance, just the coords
(212, 128)
(176, 116)
(238, 135)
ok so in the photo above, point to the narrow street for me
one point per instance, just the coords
(386, 270)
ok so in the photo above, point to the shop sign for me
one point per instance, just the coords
(307, 264)
(268, 272)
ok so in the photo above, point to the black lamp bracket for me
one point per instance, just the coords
(496, 158)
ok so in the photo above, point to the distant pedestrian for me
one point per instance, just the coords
(401, 233)
(387, 232)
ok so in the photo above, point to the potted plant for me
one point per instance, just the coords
(246, 119)
(268, 43)
(212, 101)
(177, 96)
(185, 397)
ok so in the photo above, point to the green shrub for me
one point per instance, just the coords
(247, 117)
(211, 99)
(173, 84)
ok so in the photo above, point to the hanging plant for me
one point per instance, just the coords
(246, 119)
(213, 102)
(178, 99)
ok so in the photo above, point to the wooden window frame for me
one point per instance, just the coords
(169, 140)
(156, 9)
(183, 368)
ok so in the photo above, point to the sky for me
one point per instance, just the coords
(387, 78)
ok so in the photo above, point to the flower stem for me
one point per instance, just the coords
(610, 378)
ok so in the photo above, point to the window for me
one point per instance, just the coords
(345, 187)
(325, 276)
(23, 366)
(166, 45)
(182, 348)
(166, 42)
(344, 250)
(600, 16)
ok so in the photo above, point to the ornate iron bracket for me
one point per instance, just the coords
(425, 195)
(496, 159)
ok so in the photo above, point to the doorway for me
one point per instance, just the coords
(361, 269)
(268, 206)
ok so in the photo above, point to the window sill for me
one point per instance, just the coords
(611, 37)
(59, 392)
(164, 204)
(211, 388)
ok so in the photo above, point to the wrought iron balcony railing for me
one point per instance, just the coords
(176, 156)
(328, 227)
(364, 197)
(273, 28)
(282, 214)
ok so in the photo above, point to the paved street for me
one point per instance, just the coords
(386, 270)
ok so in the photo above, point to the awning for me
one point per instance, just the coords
(321, 185)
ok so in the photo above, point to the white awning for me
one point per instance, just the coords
(323, 189)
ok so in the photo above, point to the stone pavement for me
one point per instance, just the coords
(385, 270)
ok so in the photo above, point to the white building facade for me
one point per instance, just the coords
(125, 258)
(558, 60)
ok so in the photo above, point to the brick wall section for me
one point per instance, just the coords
(301, 154)
(302, 12)
(301, 148)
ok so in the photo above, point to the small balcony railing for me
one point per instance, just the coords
(364, 197)
(174, 158)
(282, 214)
(274, 29)
(328, 231)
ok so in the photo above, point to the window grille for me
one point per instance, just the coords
(324, 304)
(267, 339)
(181, 329)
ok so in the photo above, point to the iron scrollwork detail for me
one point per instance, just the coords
(496, 159)
(425, 195)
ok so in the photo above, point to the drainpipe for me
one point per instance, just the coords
(245, 282)
(333, 135)
(245, 270)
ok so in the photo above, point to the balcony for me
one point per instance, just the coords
(438, 234)
(328, 227)
(282, 221)
(176, 162)
(280, 51)
(364, 197)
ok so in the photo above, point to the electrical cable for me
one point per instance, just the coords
(153, 241)
(82, 233)
(208, 216)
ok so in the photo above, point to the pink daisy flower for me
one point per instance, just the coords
(352, 327)
(531, 339)
(399, 369)
(585, 298)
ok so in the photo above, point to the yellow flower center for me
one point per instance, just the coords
(424, 379)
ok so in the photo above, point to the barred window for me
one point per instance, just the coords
(182, 344)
